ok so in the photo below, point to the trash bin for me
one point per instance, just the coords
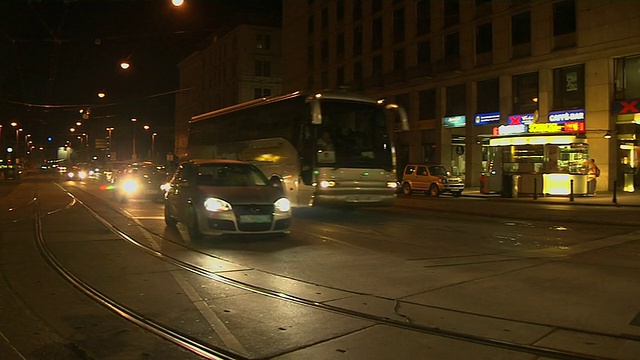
(510, 186)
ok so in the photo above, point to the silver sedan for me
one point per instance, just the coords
(218, 197)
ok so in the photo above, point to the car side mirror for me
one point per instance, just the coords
(275, 181)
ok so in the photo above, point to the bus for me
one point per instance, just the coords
(331, 148)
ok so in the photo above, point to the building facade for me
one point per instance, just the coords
(469, 71)
(239, 65)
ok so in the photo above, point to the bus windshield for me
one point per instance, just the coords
(353, 135)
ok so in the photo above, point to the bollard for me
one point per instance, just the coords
(535, 188)
(615, 189)
(571, 190)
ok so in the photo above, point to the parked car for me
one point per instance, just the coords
(218, 197)
(140, 181)
(432, 179)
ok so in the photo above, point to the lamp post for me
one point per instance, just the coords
(134, 155)
(153, 145)
(109, 130)
(1, 140)
(18, 131)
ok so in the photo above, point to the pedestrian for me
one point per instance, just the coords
(593, 172)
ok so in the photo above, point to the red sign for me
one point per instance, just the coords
(574, 126)
(626, 107)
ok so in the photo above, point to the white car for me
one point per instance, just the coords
(219, 197)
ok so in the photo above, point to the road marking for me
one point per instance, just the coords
(12, 347)
(214, 321)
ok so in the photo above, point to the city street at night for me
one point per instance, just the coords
(87, 277)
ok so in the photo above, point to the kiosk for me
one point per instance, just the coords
(537, 158)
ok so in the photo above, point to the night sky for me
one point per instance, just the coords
(55, 56)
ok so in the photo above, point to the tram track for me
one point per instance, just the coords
(406, 323)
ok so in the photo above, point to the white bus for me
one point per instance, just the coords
(328, 148)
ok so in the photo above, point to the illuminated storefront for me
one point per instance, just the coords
(527, 157)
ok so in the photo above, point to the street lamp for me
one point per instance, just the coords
(109, 129)
(153, 145)
(134, 155)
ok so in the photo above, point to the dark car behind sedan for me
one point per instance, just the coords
(140, 181)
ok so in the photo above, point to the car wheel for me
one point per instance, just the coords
(406, 189)
(168, 219)
(434, 191)
(192, 225)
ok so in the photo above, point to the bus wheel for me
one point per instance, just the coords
(192, 225)
(434, 191)
(406, 189)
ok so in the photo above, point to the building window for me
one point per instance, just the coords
(424, 52)
(357, 40)
(310, 25)
(377, 66)
(324, 51)
(456, 100)
(376, 42)
(262, 68)
(398, 25)
(451, 12)
(521, 28)
(324, 17)
(376, 6)
(484, 38)
(263, 41)
(340, 76)
(340, 10)
(258, 93)
(568, 87)
(423, 18)
(427, 104)
(398, 60)
(357, 10)
(310, 54)
(452, 46)
(525, 93)
(357, 71)
(324, 79)
(340, 44)
(627, 81)
(564, 17)
(488, 96)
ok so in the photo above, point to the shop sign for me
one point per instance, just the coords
(521, 119)
(566, 115)
(487, 118)
(626, 107)
(454, 121)
(510, 129)
(542, 128)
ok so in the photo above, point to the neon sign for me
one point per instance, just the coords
(454, 121)
(488, 118)
(566, 115)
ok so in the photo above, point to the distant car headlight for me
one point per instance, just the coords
(327, 184)
(70, 175)
(283, 205)
(130, 186)
(82, 175)
(216, 205)
(392, 184)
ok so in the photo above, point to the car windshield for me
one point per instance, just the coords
(230, 175)
(438, 170)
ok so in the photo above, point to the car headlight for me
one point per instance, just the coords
(327, 184)
(70, 175)
(283, 205)
(216, 205)
(392, 184)
(130, 186)
(82, 175)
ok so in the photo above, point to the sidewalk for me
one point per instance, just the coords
(604, 198)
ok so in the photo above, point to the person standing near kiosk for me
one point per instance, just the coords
(593, 173)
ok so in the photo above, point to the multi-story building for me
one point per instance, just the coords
(239, 65)
(469, 72)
